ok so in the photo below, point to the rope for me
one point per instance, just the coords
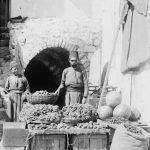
(131, 88)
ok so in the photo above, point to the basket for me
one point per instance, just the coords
(42, 97)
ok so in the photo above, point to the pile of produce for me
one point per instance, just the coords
(42, 126)
(52, 127)
(63, 126)
(122, 110)
(42, 97)
(113, 98)
(78, 113)
(116, 120)
(40, 113)
(119, 111)
(105, 112)
(95, 126)
(91, 127)
(133, 129)
(78, 118)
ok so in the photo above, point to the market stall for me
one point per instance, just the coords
(74, 127)
(78, 126)
(49, 123)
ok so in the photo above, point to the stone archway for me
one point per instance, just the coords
(44, 71)
(35, 35)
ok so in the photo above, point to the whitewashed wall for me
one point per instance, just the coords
(86, 20)
(136, 91)
(52, 23)
(96, 17)
(111, 16)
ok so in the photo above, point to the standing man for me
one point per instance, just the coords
(15, 85)
(74, 80)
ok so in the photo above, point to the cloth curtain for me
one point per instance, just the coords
(136, 35)
(141, 6)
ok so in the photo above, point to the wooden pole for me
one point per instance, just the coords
(102, 101)
(100, 68)
(131, 88)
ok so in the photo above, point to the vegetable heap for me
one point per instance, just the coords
(40, 113)
(53, 126)
(133, 129)
(116, 120)
(63, 127)
(78, 113)
(42, 126)
(92, 125)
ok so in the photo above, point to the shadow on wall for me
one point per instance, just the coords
(44, 71)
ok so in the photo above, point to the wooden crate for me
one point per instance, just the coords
(48, 142)
(90, 142)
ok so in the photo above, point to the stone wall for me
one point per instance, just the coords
(81, 20)
(100, 17)
(31, 37)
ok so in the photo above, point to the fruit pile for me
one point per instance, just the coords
(42, 126)
(40, 113)
(50, 117)
(78, 113)
(115, 108)
(116, 120)
(42, 96)
(52, 126)
(92, 125)
(63, 126)
(133, 129)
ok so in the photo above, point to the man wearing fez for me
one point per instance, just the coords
(74, 80)
(15, 85)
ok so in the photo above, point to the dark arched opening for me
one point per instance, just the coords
(44, 71)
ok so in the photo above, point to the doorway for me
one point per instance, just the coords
(4, 18)
(4, 12)
(44, 71)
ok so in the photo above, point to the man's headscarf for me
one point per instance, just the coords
(74, 54)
